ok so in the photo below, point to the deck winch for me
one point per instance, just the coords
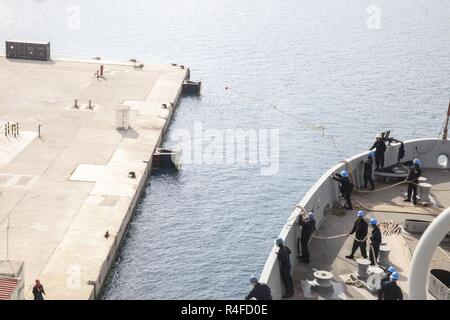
(322, 281)
(363, 268)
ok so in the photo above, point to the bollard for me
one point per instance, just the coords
(90, 104)
(17, 128)
(425, 188)
(76, 104)
(420, 180)
(363, 267)
(39, 130)
(383, 256)
(374, 282)
(322, 281)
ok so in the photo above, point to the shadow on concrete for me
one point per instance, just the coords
(128, 134)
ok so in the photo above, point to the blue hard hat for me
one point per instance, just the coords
(311, 216)
(391, 269)
(371, 154)
(373, 221)
(279, 241)
(395, 276)
(361, 213)
(344, 173)
(417, 162)
(253, 280)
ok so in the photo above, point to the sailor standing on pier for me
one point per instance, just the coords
(38, 291)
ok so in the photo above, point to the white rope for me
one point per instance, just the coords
(332, 237)
(339, 236)
(444, 253)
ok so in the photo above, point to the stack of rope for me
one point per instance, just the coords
(389, 228)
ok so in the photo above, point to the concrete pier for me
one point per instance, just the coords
(61, 192)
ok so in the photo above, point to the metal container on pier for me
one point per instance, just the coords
(16, 49)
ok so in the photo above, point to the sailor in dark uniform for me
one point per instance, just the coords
(375, 241)
(413, 179)
(380, 149)
(260, 291)
(285, 268)
(308, 227)
(390, 290)
(385, 279)
(346, 187)
(360, 229)
(368, 170)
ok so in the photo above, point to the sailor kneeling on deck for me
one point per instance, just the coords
(308, 224)
(260, 291)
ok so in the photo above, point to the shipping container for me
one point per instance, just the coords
(28, 50)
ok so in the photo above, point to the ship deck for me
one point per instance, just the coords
(387, 206)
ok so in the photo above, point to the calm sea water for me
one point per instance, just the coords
(356, 67)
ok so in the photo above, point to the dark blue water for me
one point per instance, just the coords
(202, 232)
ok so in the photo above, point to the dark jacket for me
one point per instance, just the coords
(414, 174)
(390, 291)
(379, 146)
(308, 227)
(360, 228)
(346, 186)
(283, 257)
(384, 280)
(38, 292)
(368, 167)
(260, 291)
(375, 237)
